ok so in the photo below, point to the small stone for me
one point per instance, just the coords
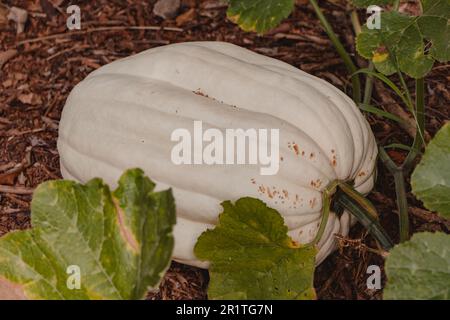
(167, 9)
(30, 98)
(20, 17)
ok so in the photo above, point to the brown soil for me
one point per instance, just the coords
(35, 82)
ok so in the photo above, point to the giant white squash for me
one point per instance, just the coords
(123, 114)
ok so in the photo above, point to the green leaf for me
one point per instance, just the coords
(367, 3)
(411, 44)
(379, 112)
(431, 178)
(390, 84)
(120, 241)
(399, 146)
(252, 257)
(259, 15)
(419, 269)
(411, 56)
(435, 27)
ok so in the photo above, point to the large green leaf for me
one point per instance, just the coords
(367, 3)
(431, 178)
(252, 257)
(411, 44)
(419, 268)
(121, 241)
(259, 15)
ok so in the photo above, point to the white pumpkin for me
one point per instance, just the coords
(123, 114)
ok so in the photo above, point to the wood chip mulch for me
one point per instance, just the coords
(40, 66)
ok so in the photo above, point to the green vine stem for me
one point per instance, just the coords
(420, 116)
(355, 22)
(396, 5)
(326, 204)
(368, 88)
(399, 172)
(402, 204)
(400, 192)
(356, 84)
(410, 104)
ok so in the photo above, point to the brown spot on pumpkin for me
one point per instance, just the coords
(200, 93)
(303, 153)
(269, 193)
(333, 161)
(253, 181)
(311, 155)
(296, 149)
(333, 151)
(316, 184)
(286, 194)
(361, 174)
(312, 202)
(281, 159)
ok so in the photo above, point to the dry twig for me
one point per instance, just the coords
(100, 29)
(16, 190)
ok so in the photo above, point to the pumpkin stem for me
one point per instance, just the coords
(354, 202)
(345, 197)
(326, 204)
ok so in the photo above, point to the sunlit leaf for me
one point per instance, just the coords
(419, 269)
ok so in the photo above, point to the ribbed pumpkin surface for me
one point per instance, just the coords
(123, 115)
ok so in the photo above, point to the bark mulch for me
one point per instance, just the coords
(38, 73)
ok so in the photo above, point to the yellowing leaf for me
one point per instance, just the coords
(90, 243)
(259, 15)
(233, 18)
(380, 57)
